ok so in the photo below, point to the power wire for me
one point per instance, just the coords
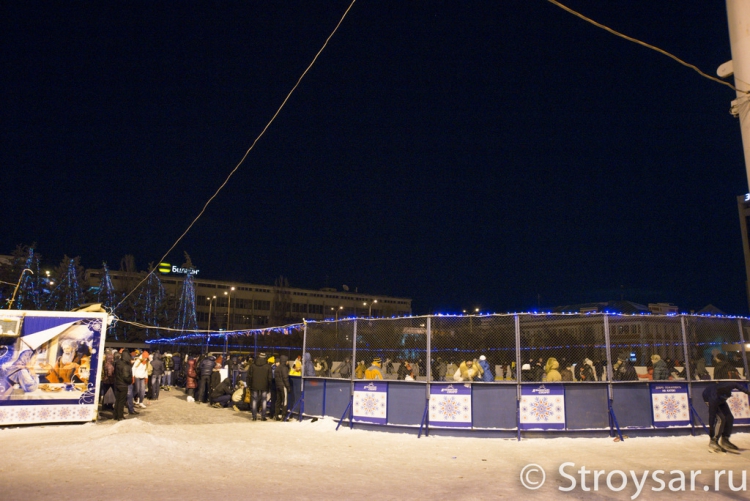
(649, 46)
(242, 160)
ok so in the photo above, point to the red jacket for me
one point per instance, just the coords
(192, 377)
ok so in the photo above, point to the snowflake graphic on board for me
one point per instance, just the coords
(369, 405)
(95, 326)
(450, 408)
(24, 414)
(4, 415)
(83, 412)
(45, 413)
(737, 405)
(541, 409)
(670, 407)
(64, 412)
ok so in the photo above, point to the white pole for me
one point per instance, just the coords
(738, 19)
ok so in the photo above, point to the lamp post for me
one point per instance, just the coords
(210, 301)
(336, 315)
(369, 311)
(229, 316)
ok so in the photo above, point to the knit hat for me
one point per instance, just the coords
(271, 360)
(655, 357)
(376, 360)
(720, 357)
(262, 355)
(482, 358)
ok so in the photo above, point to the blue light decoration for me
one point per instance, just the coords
(186, 319)
(151, 300)
(29, 292)
(68, 293)
(106, 293)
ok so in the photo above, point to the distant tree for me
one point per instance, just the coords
(67, 292)
(106, 294)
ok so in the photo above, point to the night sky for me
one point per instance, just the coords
(496, 154)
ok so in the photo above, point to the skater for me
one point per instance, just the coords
(720, 418)
(259, 380)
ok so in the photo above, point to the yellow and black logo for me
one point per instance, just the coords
(165, 267)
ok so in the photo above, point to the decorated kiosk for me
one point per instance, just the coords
(49, 366)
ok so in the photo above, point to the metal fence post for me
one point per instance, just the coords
(517, 326)
(354, 366)
(688, 378)
(744, 348)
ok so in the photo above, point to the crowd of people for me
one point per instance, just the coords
(261, 385)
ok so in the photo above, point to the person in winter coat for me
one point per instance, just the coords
(566, 374)
(156, 374)
(623, 370)
(233, 368)
(259, 381)
(359, 371)
(486, 372)
(661, 371)
(108, 374)
(123, 380)
(441, 369)
(296, 368)
(166, 380)
(700, 370)
(140, 373)
(467, 371)
(722, 368)
(191, 381)
(308, 368)
(204, 369)
(221, 394)
(586, 371)
(720, 417)
(178, 372)
(404, 370)
(283, 388)
(345, 368)
(550, 368)
(373, 372)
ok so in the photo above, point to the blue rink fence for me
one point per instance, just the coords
(512, 405)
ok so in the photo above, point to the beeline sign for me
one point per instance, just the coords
(168, 268)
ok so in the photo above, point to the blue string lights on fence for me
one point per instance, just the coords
(205, 335)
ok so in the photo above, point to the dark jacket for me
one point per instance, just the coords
(207, 366)
(108, 370)
(721, 370)
(168, 362)
(626, 372)
(123, 370)
(223, 388)
(282, 374)
(259, 376)
(718, 393)
(177, 359)
(157, 365)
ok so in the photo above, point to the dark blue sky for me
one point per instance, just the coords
(492, 154)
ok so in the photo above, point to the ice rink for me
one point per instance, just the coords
(180, 450)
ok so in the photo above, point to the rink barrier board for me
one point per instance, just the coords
(494, 408)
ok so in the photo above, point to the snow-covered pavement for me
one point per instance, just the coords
(180, 450)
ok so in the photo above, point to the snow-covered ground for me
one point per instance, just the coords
(180, 450)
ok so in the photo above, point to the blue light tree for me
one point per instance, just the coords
(186, 319)
(152, 304)
(67, 294)
(106, 293)
(29, 295)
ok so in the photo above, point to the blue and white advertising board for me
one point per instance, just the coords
(542, 407)
(49, 366)
(450, 405)
(370, 403)
(670, 405)
(739, 403)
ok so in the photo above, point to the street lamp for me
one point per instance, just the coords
(209, 311)
(369, 311)
(229, 304)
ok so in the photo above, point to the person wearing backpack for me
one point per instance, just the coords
(283, 388)
(166, 381)
(108, 376)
